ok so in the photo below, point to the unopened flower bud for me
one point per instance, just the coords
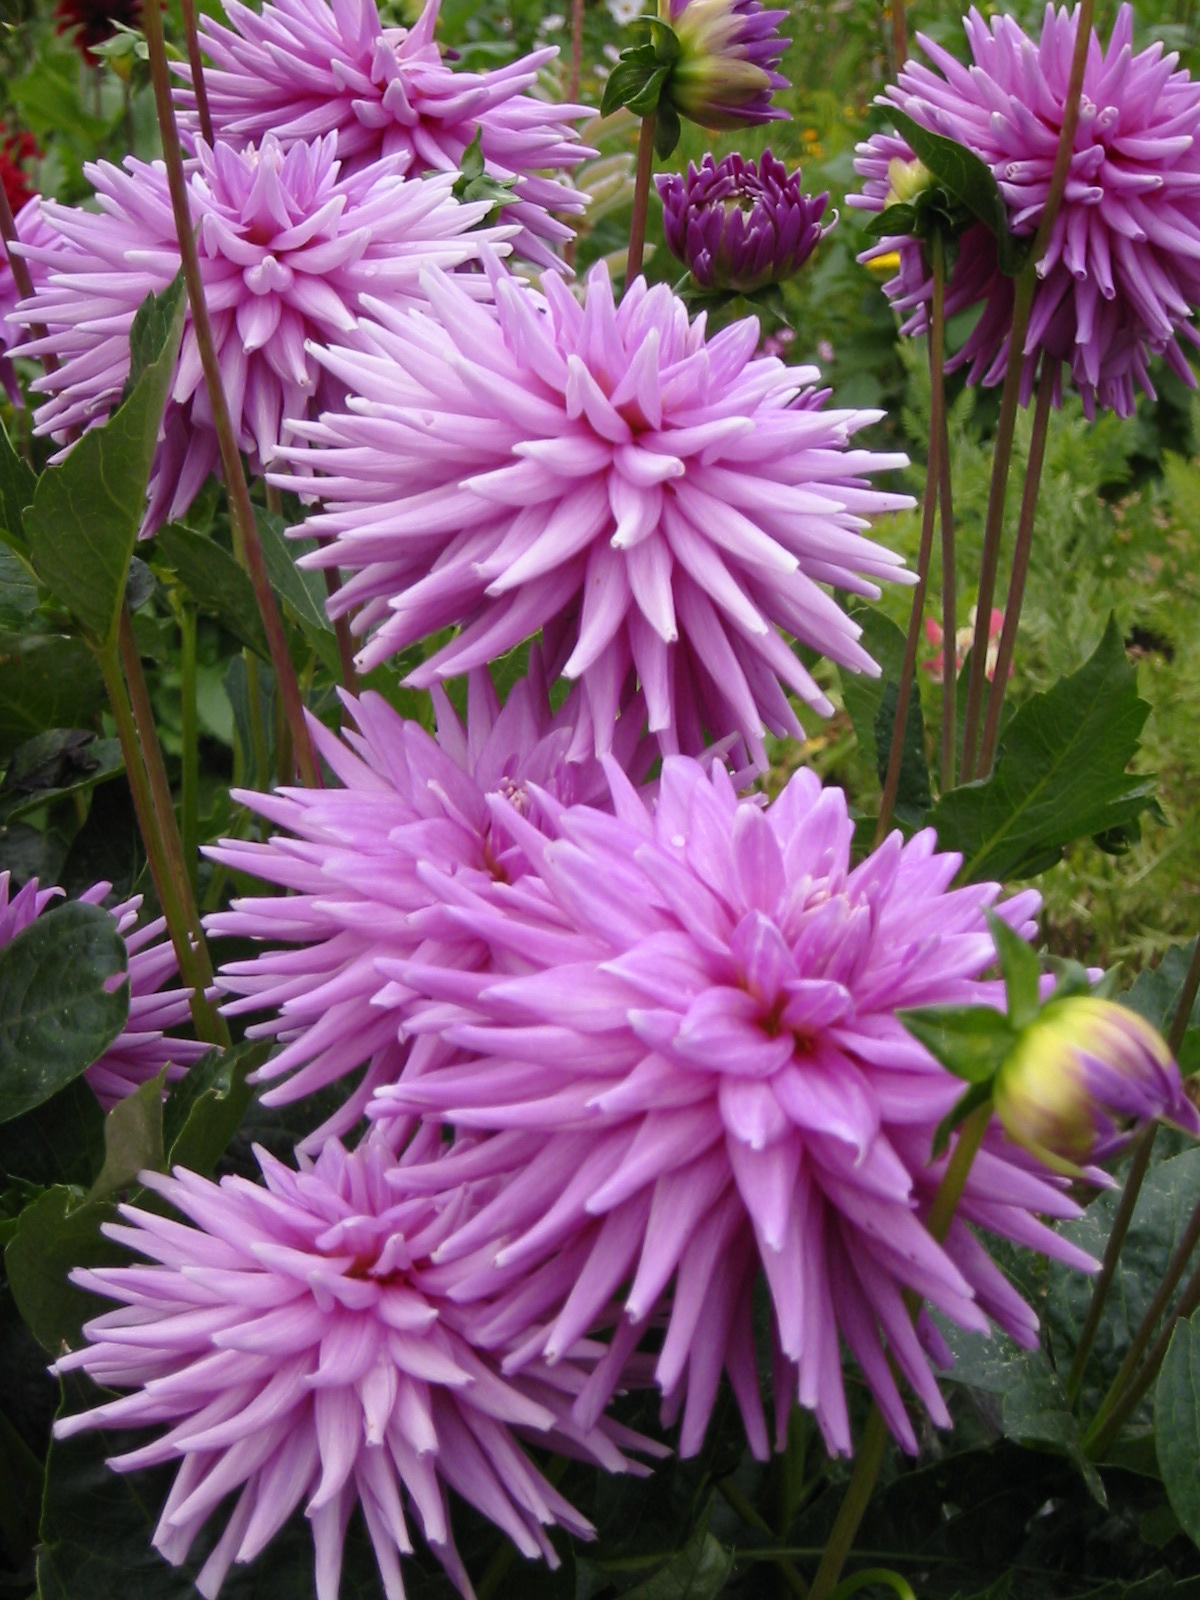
(738, 224)
(727, 69)
(908, 179)
(1081, 1076)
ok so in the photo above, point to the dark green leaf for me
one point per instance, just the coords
(17, 484)
(56, 1016)
(140, 584)
(871, 704)
(133, 1139)
(156, 326)
(85, 516)
(913, 794)
(894, 220)
(972, 1042)
(1177, 1424)
(303, 591)
(50, 682)
(237, 688)
(55, 1235)
(628, 79)
(647, 98)
(60, 1141)
(62, 762)
(1156, 993)
(699, 1571)
(1060, 774)
(109, 846)
(1021, 968)
(215, 582)
(206, 1108)
(969, 181)
(667, 130)
(18, 593)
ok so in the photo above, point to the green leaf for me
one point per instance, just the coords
(1177, 1424)
(871, 704)
(56, 1016)
(628, 79)
(19, 600)
(893, 220)
(1021, 968)
(55, 1235)
(87, 511)
(969, 181)
(51, 766)
(17, 485)
(1060, 773)
(1156, 995)
(50, 682)
(206, 1107)
(133, 1139)
(157, 325)
(303, 591)
(667, 130)
(972, 1042)
(60, 1141)
(698, 1572)
(215, 582)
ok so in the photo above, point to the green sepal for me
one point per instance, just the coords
(978, 1094)
(1021, 968)
(972, 1042)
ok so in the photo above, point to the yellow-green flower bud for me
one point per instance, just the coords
(908, 179)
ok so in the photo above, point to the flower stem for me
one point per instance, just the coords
(576, 50)
(949, 619)
(937, 437)
(209, 1024)
(1020, 566)
(1138, 1168)
(1106, 1427)
(196, 62)
(246, 539)
(641, 200)
(191, 751)
(899, 35)
(20, 272)
(875, 1435)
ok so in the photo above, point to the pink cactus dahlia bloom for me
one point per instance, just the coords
(355, 857)
(307, 67)
(287, 248)
(654, 501)
(1121, 274)
(143, 1047)
(31, 229)
(701, 1031)
(301, 1351)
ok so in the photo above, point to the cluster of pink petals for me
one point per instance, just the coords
(354, 858)
(288, 246)
(660, 504)
(1121, 274)
(303, 68)
(143, 1047)
(300, 1349)
(688, 1055)
(32, 230)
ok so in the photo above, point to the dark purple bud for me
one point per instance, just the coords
(739, 224)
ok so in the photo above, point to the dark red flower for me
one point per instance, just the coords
(91, 22)
(16, 149)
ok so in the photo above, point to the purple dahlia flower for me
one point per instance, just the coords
(1122, 271)
(354, 857)
(287, 248)
(738, 224)
(656, 502)
(300, 1350)
(143, 1047)
(727, 69)
(32, 230)
(303, 68)
(701, 1026)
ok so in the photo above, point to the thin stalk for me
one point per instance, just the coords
(1133, 1184)
(899, 34)
(196, 62)
(873, 1443)
(576, 50)
(750, 1515)
(1020, 566)
(1099, 1438)
(242, 512)
(20, 272)
(937, 433)
(190, 777)
(641, 199)
(949, 619)
(209, 1024)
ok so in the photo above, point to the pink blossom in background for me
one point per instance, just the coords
(144, 1046)
(1121, 276)
(964, 638)
(697, 1075)
(303, 68)
(658, 503)
(287, 246)
(300, 1351)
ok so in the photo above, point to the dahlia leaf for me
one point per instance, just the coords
(1177, 1424)
(972, 1042)
(17, 485)
(57, 1015)
(54, 1237)
(60, 1141)
(216, 583)
(303, 591)
(968, 180)
(53, 766)
(872, 702)
(87, 511)
(48, 682)
(19, 600)
(896, 219)
(1156, 996)
(133, 1139)
(206, 1108)
(698, 1572)
(1060, 775)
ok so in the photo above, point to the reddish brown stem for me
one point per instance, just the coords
(20, 271)
(196, 62)
(641, 200)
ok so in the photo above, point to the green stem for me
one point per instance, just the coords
(873, 1444)
(937, 433)
(190, 777)
(209, 1025)
(245, 531)
(1020, 566)
(749, 1514)
(949, 620)
(641, 200)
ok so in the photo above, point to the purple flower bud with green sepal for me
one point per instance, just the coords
(739, 224)
(728, 67)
